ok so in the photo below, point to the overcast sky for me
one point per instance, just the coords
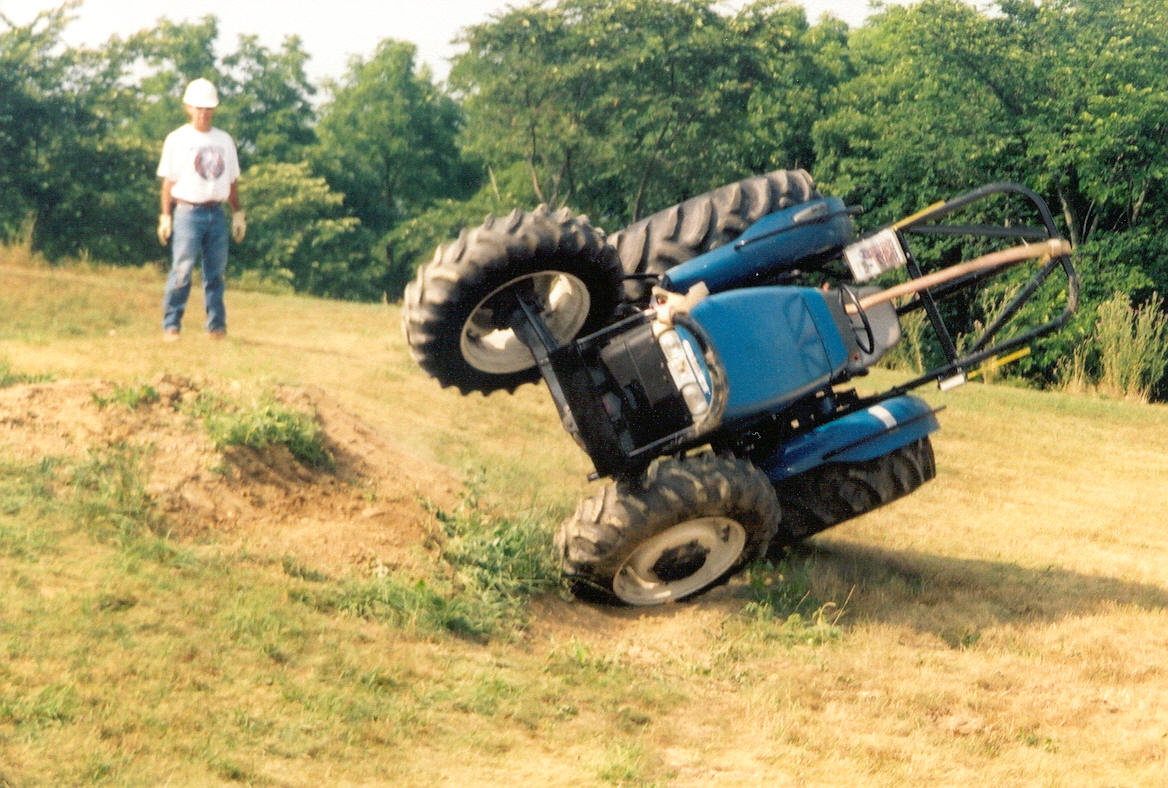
(331, 31)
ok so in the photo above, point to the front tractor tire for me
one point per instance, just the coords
(683, 528)
(456, 311)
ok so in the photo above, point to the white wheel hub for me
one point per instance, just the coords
(564, 308)
(679, 561)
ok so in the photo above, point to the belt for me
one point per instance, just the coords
(208, 204)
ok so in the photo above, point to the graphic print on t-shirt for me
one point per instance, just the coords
(209, 163)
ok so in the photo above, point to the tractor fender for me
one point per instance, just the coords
(782, 242)
(861, 435)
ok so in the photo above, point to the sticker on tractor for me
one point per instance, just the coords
(874, 255)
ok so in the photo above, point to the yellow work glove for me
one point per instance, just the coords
(164, 228)
(238, 225)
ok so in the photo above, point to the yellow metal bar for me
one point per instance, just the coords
(918, 215)
(1000, 361)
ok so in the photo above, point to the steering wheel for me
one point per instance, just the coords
(864, 330)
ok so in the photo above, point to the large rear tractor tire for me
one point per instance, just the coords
(456, 310)
(658, 242)
(830, 494)
(682, 529)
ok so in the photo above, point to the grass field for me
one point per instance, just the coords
(1005, 625)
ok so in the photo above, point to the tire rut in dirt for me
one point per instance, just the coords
(658, 242)
(455, 285)
(830, 494)
(597, 542)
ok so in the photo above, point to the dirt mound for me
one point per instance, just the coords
(368, 514)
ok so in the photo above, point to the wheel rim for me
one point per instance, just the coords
(489, 347)
(679, 561)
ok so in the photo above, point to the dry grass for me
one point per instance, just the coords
(1004, 625)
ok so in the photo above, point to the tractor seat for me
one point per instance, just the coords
(885, 328)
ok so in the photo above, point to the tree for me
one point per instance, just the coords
(80, 130)
(298, 236)
(268, 101)
(387, 139)
(1064, 96)
(929, 111)
(153, 67)
(620, 107)
(62, 166)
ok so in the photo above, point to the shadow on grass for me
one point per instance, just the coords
(953, 598)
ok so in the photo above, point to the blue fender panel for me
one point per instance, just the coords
(863, 435)
(777, 344)
(775, 243)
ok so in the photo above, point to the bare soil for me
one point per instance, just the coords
(372, 513)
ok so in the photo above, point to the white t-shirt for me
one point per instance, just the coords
(202, 165)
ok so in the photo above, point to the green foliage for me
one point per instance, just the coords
(901, 132)
(62, 165)
(260, 424)
(413, 241)
(267, 102)
(783, 607)
(387, 139)
(1132, 345)
(619, 107)
(110, 494)
(54, 704)
(1134, 262)
(131, 397)
(27, 499)
(496, 565)
(1068, 98)
(10, 377)
(616, 108)
(299, 237)
(499, 560)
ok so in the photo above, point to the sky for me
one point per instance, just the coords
(331, 31)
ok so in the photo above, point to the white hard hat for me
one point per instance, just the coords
(201, 93)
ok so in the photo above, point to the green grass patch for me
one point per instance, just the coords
(495, 566)
(782, 606)
(111, 635)
(262, 423)
(28, 507)
(129, 659)
(11, 377)
(132, 397)
(110, 494)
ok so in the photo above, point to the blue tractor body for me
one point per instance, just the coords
(718, 401)
(780, 344)
(769, 352)
(777, 344)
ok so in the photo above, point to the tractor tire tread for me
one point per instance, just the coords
(464, 271)
(667, 238)
(830, 494)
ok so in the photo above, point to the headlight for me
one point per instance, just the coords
(695, 400)
(684, 370)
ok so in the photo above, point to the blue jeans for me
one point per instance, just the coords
(199, 232)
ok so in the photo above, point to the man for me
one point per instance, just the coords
(199, 171)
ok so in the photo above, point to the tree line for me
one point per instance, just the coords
(616, 108)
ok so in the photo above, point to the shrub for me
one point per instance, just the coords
(1133, 346)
